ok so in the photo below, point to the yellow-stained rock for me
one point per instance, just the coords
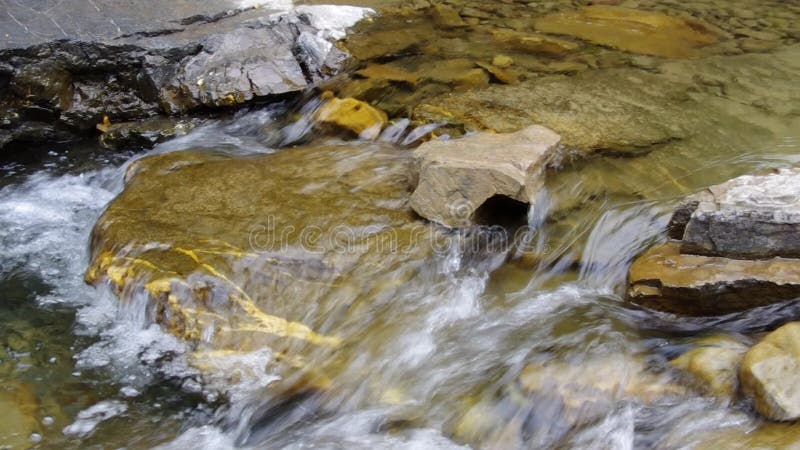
(352, 114)
(714, 362)
(770, 374)
(631, 30)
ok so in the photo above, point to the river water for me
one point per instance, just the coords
(472, 346)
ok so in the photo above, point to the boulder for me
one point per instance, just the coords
(770, 374)
(714, 363)
(64, 88)
(632, 30)
(455, 177)
(732, 247)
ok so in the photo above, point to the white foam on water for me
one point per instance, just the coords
(332, 21)
(277, 5)
(89, 418)
(45, 223)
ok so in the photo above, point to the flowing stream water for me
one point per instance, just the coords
(437, 350)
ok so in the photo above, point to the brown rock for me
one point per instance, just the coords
(663, 278)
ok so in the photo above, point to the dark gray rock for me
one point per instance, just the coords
(750, 217)
(62, 89)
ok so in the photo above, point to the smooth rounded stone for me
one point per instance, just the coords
(631, 30)
(20, 408)
(353, 115)
(663, 278)
(749, 217)
(455, 177)
(770, 374)
(714, 363)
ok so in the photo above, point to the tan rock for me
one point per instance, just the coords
(632, 30)
(714, 362)
(770, 374)
(354, 115)
(455, 177)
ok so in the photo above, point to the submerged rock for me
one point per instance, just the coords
(455, 177)
(714, 363)
(770, 374)
(66, 87)
(20, 409)
(142, 134)
(632, 30)
(733, 248)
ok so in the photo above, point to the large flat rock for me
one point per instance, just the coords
(665, 279)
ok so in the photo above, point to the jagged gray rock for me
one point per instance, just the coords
(62, 89)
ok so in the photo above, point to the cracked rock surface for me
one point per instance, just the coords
(58, 90)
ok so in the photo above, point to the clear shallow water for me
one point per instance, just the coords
(435, 363)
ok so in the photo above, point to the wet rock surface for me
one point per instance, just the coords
(770, 374)
(55, 90)
(732, 248)
(456, 177)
